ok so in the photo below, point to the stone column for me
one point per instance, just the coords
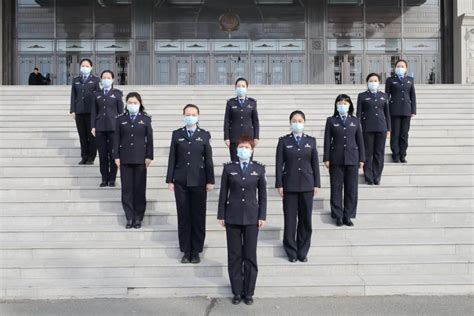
(463, 35)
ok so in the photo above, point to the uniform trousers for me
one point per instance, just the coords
(242, 257)
(297, 211)
(108, 168)
(399, 136)
(374, 143)
(344, 178)
(86, 139)
(133, 179)
(191, 206)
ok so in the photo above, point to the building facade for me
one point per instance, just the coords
(194, 42)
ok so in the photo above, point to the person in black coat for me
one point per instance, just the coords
(133, 153)
(400, 90)
(242, 211)
(108, 105)
(374, 113)
(83, 91)
(343, 154)
(241, 118)
(190, 176)
(36, 78)
(297, 181)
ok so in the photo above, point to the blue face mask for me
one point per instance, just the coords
(86, 70)
(400, 71)
(297, 127)
(133, 108)
(244, 153)
(343, 108)
(241, 92)
(190, 120)
(107, 83)
(373, 86)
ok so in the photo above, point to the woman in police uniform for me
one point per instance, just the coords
(133, 153)
(190, 176)
(242, 211)
(241, 118)
(297, 181)
(343, 154)
(108, 105)
(374, 113)
(400, 90)
(82, 100)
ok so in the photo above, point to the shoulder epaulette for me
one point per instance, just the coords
(251, 99)
(259, 163)
(146, 114)
(227, 163)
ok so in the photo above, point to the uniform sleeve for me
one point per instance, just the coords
(149, 141)
(255, 123)
(315, 165)
(227, 121)
(116, 153)
(413, 99)
(223, 195)
(388, 119)
(327, 141)
(72, 107)
(93, 112)
(262, 196)
(279, 164)
(208, 162)
(387, 88)
(360, 143)
(171, 160)
(359, 105)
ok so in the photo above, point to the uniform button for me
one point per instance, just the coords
(241, 110)
(189, 143)
(132, 125)
(376, 107)
(376, 114)
(299, 149)
(241, 124)
(243, 179)
(104, 114)
(131, 144)
(345, 145)
(243, 189)
(104, 107)
(188, 163)
(131, 135)
(189, 153)
(376, 101)
(345, 137)
(299, 158)
(345, 128)
(299, 169)
(241, 117)
(243, 200)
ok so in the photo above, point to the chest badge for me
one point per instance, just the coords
(233, 173)
(367, 99)
(234, 106)
(289, 146)
(336, 125)
(124, 123)
(180, 139)
(352, 124)
(307, 146)
(113, 96)
(199, 139)
(141, 122)
(254, 173)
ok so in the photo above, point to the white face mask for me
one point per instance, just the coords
(86, 70)
(373, 86)
(133, 108)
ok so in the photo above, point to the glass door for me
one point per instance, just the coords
(346, 69)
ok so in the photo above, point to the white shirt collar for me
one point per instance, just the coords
(298, 134)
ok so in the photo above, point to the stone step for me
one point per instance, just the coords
(219, 286)
(155, 180)
(408, 191)
(217, 267)
(213, 233)
(266, 248)
(365, 218)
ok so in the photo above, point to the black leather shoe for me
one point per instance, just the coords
(395, 159)
(195, 259)
(185, 258)
(303, 259)
(89, 162)
(82, 162)
(236, 300)
(377, 182)
(103, 184)
(403, 160)
(112, 184)
(370, 182)
(292, 260)
(339, 222)
(129, 224)
(348, 222)
(138, 224)
(248, 300)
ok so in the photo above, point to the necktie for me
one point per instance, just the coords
(344, 119)
(133, 117)
(298, 139)
(106, 91)
(244, 167)
(190, 133)
(241, 102)
(84, 78)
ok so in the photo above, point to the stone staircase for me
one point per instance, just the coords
(61, 236)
